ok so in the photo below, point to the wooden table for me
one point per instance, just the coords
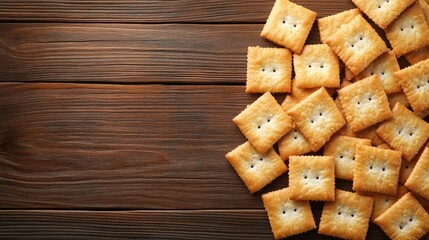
(115, 117)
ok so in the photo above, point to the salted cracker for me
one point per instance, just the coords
(329, 25)
(404, 132)
(406, 169)
(293, 143)
(364, 103)
(418, 181)
(255, 169)
(384, 66)
(398, 97)
(357, 44)
(417, 55)
(289, 25)
(376, 170)
(347, 217)
(346, 130)
(263, 122)
(409, 31)
(343, 149)
(382, 12)
(370, 133)
(414, 80)
(312, 178)
(405, 219)
(317, 118)
(287, 217)
(268, 70)
(316, 66)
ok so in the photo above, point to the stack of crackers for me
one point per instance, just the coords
(370, 125)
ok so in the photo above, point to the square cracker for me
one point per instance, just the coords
(414, 80)
(263, 122)
(348, 74)
(384, 66)
(382, 12)
(417, 55)
(382, 202)
(347, 217)
(289, 25)
(409, 31)
(317, 118)
(398, 97)
(287, 217)
(364, 103)
(312, 178)
(370, 133)
(406, 169)
(268, 70)
(406, 219)
(331, 24)
(293, 143)
(255, 169)
(418, 181)
(316, 66)
(376, 170)
(346, 130)
(343, 149)
(404, 132)
(357, 44)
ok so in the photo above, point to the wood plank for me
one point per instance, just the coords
(217, 11)
(126, 53)
(84, 146)
(221, 224)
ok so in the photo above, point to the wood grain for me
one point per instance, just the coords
(216, 11)
(83, 146)
(168, 53)
(206, 224)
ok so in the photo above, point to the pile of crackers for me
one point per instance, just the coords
(369, 124)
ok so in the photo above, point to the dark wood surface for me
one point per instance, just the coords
(115, 117)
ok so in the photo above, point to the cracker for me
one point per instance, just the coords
(331, 24)
(348, 74)
(268, 70)
(398, 97)
(406, 169)
(417, 55)
(364, 103)
(409, 31)
(376, 170)
(357, 44)
(404, 132)
(287, 217)
(406, 219)
(317, 118)
(255, 169)
(382, 12)
(343, 149)
(293, 143)
(316, 66)
(312, 178)
(414, 80)
(370, 133)
(384, 146)
(418, 181)
(346, 130)
(347, 217)
(289, 25)
(384, 66)
(263, 122)
(382, 202)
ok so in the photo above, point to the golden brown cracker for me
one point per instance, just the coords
(289, 25)
(317, 118)
(347, 217)
(329, 25)
(263, 123)
(418, 181)
(364, 103)
(287, 217)
(268, 70)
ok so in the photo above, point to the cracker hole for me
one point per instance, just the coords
(263, 69)
(284, 212)
(283, 21)
(382, 73)
(411, 134)
(259, 127)
(320, 114)
(372, 73)
(387, 200)
(402, 29)
(312, 121)
(261, 159)
(411, 220)
(399, 132)
(406, 167)
(305, 177)
(317, 177)
(274, 70)
(412, 26)
(353, 45)
(383, 169)
(339, 213)
(370, 167)
(361, 38)
(295, 210)
(418, 86)
(252, 166)
(295, 130)
(309, 66)
(268, 120)
(352, 215)
(400, 227)
(379, 6)
(321, 66)
(369, 99)
(341, 156)
(358, 103)
(294, 25)
(295, 137)
(353, 158)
